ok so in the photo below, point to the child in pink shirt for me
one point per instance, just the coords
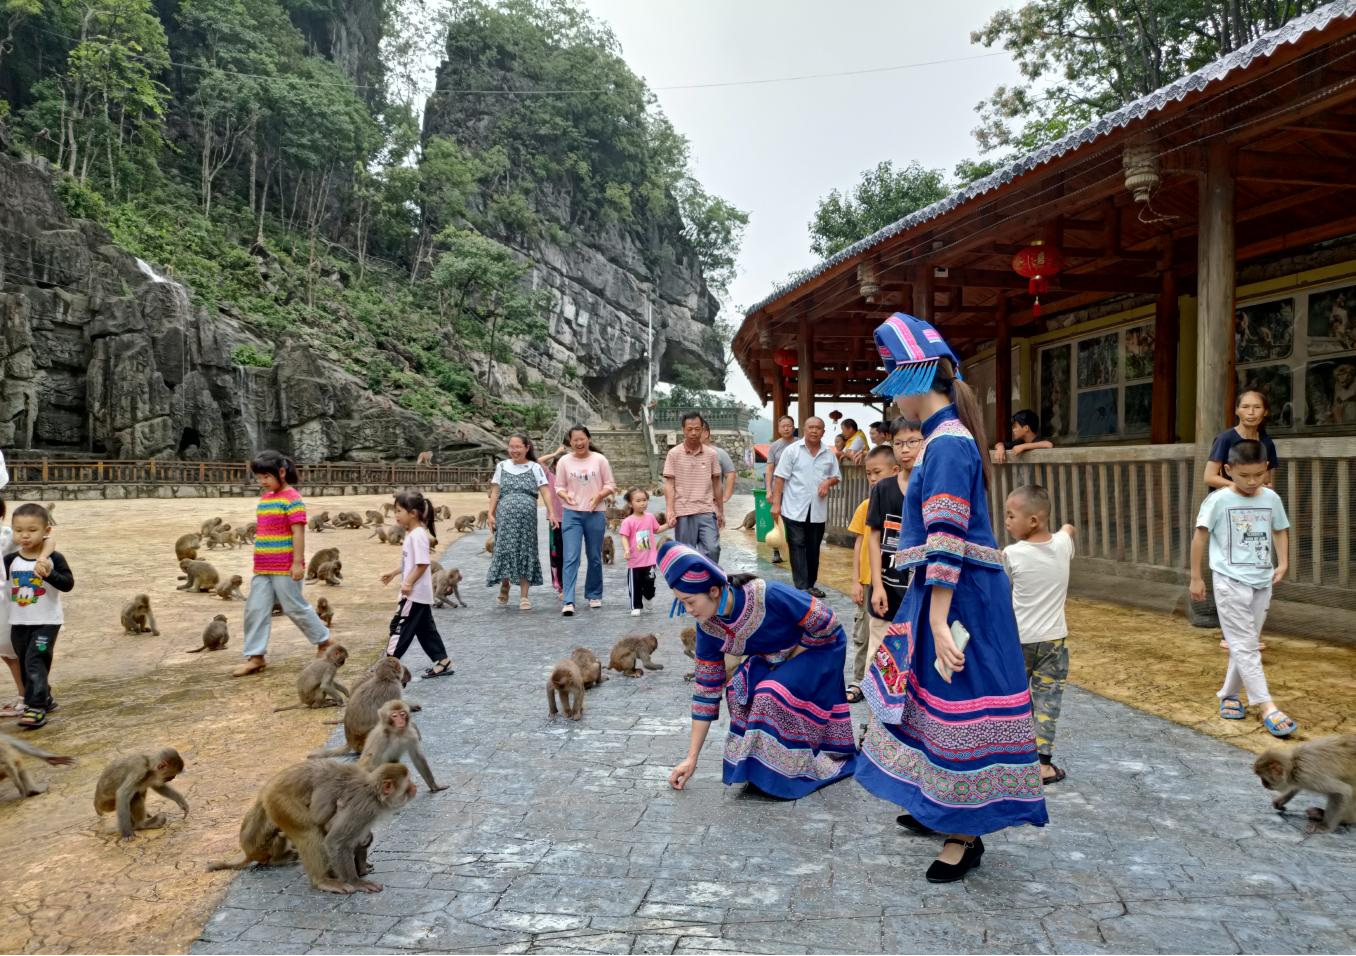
(639, 531)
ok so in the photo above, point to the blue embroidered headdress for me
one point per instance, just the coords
(689, 571)
(910, 349)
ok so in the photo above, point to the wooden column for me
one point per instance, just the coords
(1002, 374)
(922, 293)
(805, 389)
(1163, 414)
(778, 397)
(1215, 318)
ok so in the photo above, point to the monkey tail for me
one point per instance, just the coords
(223, 865)
(329, 752)
(197, 650)
(279, 710)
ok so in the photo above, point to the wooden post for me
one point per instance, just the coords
(1002, 374)
(1215, 315)
(1163, 411)
(923, 292)
(805, 389)
(778, 397)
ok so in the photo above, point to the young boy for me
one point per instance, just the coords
(35, 608)
(1026, 436)
(1240, 525)
(885, 519)
(880, 464)
(1038, 564)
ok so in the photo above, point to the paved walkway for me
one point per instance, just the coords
(558, 837)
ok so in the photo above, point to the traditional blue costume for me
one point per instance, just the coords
(790, 726)
(960, 757)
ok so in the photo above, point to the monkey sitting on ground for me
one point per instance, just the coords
(319, 522)
(328, 571)
(464, 524)
(215, 636)
(749, 521)
(317, 685)
(590, 668)
(200, 576)
(187, 547)
(375, 519)
(261, 841)
(689, 639)
(328, 809)
(249, 531)
(325, 611)
(395, 737)
(396, 535)
(137, 617)
(383, 684)
(230, 590)
(635, 646)
(123, 784)
(609, 549)
(11, 764)
(1326, 766)
(349, 519)
(567, 681)
(443, 512)
(447, 584)
(382, 533)
(482, 520)
(323, 556)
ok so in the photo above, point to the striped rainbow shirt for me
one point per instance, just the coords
(276, 514)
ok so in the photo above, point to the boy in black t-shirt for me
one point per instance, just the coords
(885, 519)
(1026, 436)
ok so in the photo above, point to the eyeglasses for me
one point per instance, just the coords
(908, 443)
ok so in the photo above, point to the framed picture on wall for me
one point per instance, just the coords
(1273, 381)
(1264, 331)
(1056, 406)
(1332, 321)
(1330, 392)
(1098, 414)
(1098, 362)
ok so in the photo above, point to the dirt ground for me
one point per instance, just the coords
(70, 884)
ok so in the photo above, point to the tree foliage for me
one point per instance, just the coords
(882, 196)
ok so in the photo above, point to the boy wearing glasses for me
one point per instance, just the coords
(885, 519)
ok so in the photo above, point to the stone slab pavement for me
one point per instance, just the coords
(560, 837)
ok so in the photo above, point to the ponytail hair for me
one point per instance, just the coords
(967, 410)
(276, 464)
(415, 503)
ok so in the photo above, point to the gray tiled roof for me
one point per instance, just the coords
(1193, 83)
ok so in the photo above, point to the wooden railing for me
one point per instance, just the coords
(61, 471)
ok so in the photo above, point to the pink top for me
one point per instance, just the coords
(277, 514)
(641, 534)
(583, 478)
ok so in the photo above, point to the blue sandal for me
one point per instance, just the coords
(1231, 708)
(1276, 723)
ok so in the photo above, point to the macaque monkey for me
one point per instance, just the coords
(215, 636)
(634, 647)
(350, 519)
(464, 524)
(489, 544)
(230, 590)
(261, 841)
(568, 682)
(444, 512)
(447, 584)
(328, 572)
(482, 520)
(375, 519)
(317, 685)
(590, 668)
(327, 810)
(689, 639)
(248, 532)
(212, 524)
(383, 533)
(200, 576)
(11, 764)
(187, 547)
(325, 611)
(425, 458)
(749, 521)
(137, 617)
(323, 556)
(221, 539)
(662, 518)
(319, 522)
(1326, 766)
(396, 535)
(51, 506)
(609, 549)
(123, 784)
(394, 737)
(383, 684)
(388, 508)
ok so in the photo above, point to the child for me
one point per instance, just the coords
(880, 463)
(639, 531)
(885, 519)
(9, 546)
(1038, 565)
(414, 615)
(1240, 525)
(35, 608)
(279, 562)
(1026, 428)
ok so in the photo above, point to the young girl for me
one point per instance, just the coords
(414, 615)
(638, 532)
(279, 562)
(8, 546)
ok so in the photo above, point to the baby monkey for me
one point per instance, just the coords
(123, 784)
(1326, 766)
(137, 617)
(215, 636)
(629, 650)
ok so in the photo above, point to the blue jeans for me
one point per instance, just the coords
(583, 530)
(264, 590)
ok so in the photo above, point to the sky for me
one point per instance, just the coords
(774, 149)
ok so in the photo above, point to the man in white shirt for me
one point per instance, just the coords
(800, 499)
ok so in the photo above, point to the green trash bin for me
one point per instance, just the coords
(762, 514)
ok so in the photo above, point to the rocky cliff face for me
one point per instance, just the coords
(99, 354)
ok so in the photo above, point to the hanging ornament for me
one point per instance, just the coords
(786, 358)
(1036, 263)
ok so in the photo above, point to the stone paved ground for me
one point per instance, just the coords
(561, 837)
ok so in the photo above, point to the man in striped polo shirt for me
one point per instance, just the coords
(692, 490)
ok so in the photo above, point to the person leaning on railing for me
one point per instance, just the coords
(1026, 432)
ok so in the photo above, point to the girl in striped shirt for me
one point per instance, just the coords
(279, 562)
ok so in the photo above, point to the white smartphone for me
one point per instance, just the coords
(961, 637)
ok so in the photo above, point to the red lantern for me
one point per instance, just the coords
(786, 358)
(1036, 263)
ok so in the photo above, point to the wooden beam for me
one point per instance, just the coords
(1002, 374)
(805, 392)
(778, 396)
(1215, 288)
(1301, 170)
(1163, 410)
(923, 299)
(1010, 249)
(1068, 281)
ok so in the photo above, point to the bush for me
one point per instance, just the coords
(251, 357)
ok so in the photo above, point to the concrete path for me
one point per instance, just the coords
(558, 837)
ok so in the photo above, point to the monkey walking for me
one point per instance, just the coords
(567, 681)
(609, 549)
(199, 576)
(396, 737)
(482, 521)
(230, 590)
(689, 639)
(215, 636)
(1326, 766)
(325, 611)
(137, 617)
(11, 765)
(447, 584)
(627, 651)
(123, 784)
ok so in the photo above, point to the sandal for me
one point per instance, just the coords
(1059, 775)
(33, 718)
(524, 605)
(854, 694)
(440, 669)
(1277, 723)
(1231, 708)
(13, 709)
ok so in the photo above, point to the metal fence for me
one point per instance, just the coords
(720, 419)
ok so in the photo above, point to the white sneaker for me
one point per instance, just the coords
(595, 604)
(635, 612)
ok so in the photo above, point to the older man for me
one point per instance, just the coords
(693, 495)
(800, 498)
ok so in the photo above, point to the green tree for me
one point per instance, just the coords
(715, 228)
(13, 14)
(884, 195)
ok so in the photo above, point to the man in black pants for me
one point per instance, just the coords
(800, 497)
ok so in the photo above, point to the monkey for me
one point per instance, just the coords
(388, 508)
(464, 524)
(11, 765)
(662, 518)
(323, 556)
(394, 737)
(221, 539)
(137, 617)
(424, 458)
(749, 521)
(241, 536)
(633, 647)
(248, 532)
(230, 590)
(1326, 766)
(317, 685)
(482, 520)
(567, 681)
(375, 519)
(435, 567)
(383, 684)
(609, 549)
(444, 512)
(329, 572)
(613, 524)
(319, 522)
(327, 810)
(123, 784)
(51, 506)
(489, 544)
(395, 536)
(262, 842)
(186, 548)
(590, 668)
(325, 611)
(210, 525)
(215, 636)
(201, 576)
(381, 533)
(447, 584)
(689, 639)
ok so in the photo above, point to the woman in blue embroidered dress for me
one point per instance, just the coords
(950, 737)
(790, 726)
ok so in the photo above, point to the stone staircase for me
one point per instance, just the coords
(627, 452)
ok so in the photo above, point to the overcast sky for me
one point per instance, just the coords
(774, 149)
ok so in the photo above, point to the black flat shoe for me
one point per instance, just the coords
(940, 872)
(910, 822)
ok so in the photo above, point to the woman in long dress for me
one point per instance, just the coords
(513, 520)
(950, 737)
(790, 726)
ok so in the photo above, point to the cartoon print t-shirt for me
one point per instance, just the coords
(641, 533)
(31, 599)
(1241, 530)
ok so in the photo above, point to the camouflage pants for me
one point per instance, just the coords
(1047, 667)
(860, 637)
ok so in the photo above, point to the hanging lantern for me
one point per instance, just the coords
(868, 286)
(1036, 263)
(786, 359)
